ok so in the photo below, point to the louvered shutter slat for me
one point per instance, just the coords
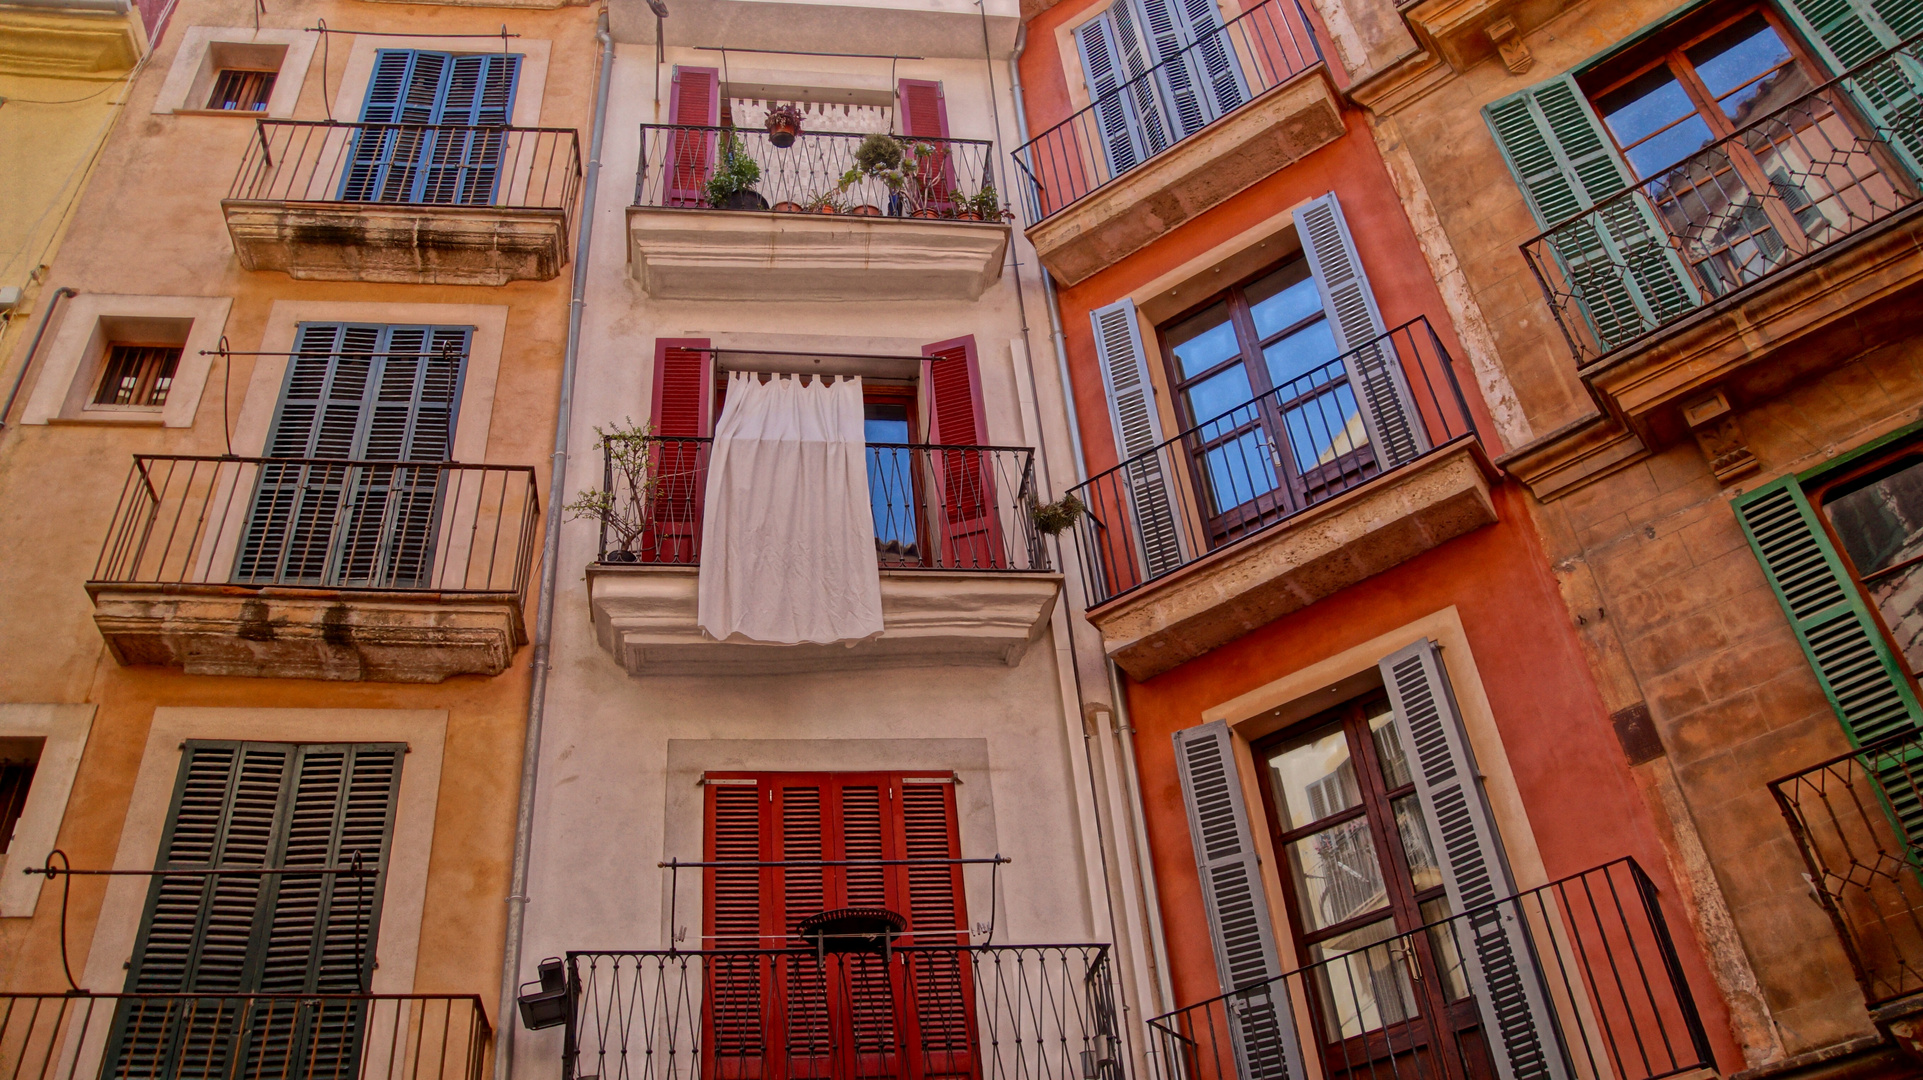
(941, 984)
(694, 100)
(1847, 33)
(1157, 540)
(681, 410)
(924, 114)
(1116, 122)
(969, 527)
(1497, 956)
(733, 920)
(1260, 1017)
(1374, 369)
(1223, 88)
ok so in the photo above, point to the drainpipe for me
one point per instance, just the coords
(538, 663)
(26, 362)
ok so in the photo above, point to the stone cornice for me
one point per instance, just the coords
(69, 42)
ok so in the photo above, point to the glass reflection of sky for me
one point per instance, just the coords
(1642, 113)
(891, 484)
(1204, 341)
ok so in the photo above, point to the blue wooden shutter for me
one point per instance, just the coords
(384, 162)
(1497, 957)
(463, 166)
(1619, 263)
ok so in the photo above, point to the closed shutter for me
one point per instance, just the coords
(964, 476)
(694, 100)
(1261, 1017)
(1138, 438)
(1848, 32)
(447, 164)
(1223, 87)
(1196, 67)
(1102, 69)
(1388, 411)
(682, 411)
(1497, 956)
(1626, 277)
(262, 806)
(924, 115)
(463, 164)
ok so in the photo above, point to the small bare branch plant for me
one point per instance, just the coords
(627, 507)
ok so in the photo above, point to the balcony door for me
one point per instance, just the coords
(441, 135)
(252, 807)
(333, 515)
(815, 842)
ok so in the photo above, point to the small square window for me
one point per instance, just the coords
(242, 90)
(137, 375)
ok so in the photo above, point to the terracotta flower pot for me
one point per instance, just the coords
(967, 215)
(826, 209)
(866, 210)
(926, 212)
(782, 131)
(785, 207)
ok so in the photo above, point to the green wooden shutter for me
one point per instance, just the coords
(1625, 276)
(1846, 33)
(1860, 675)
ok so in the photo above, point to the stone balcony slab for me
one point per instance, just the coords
(1282, 126)
(77, 42)
(1292, 564)
(406, 637)
(403, 243)
(695, 254)
(644, 616)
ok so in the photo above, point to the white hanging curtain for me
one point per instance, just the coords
(788, 537)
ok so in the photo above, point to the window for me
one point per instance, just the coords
(137, 376)
(1141, 114)
(242, 89)
(454, 155)
(18, 760)
(895, 488)
(1876, 517)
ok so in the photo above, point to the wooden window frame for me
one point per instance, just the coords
(1859, 474)
(261, 90)
(153, 368)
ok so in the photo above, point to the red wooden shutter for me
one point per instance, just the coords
(693, 101)
(683, 414)
(924, 114)
(969, 530)
(940, 987)
(731, 925)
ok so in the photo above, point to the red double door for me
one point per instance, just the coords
(777, 1008)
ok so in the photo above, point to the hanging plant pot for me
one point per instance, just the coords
(866, 210)
(744, 200)
(784, 123)
(786, 207)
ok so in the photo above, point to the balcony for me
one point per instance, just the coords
(1581, 972)
(800, 233)
(1806, 219)
(1854, 818)
(404, 203)
(965, 577)
(309, 568)
(1353, 468)
(1181, 137)
(1041, 1012)
(62, 1036)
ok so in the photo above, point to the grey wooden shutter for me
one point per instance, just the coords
(1848, 32)
(1138, 436)
(1261, 1019)
(1178, 69)
(1626, 276)
(1517, 1023)
(1223, 88)
(1388, 411)
(1101, 64)
(1144, 95)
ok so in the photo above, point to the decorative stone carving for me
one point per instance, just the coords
(1713, 423)
(1510, 46)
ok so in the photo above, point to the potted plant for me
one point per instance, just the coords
(901, 167)
(735, 175)
(788, 206)
(825, 202)
(784, 123)
(986, 204)
(626, 509)
(1051, 519)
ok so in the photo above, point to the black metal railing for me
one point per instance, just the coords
(1803, 178)
(436, 526)
(1857, 819)
(1154, 109)
(945, 179)
(1582, 969)
(62, 1036)
(311, 161)
(1369, 411)
(935, 507)
(1040, 1012)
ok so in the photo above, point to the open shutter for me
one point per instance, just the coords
(682, 412)
(1620, 265)
(694, 100)
(1261, 1019)
(969, 530)
(1114, 119)
(1497, 956)
(408, 87)
(1138, 437)
(1223, 88)
(1388, 412)
(924, 114)
(1848, 32)
(463, 164)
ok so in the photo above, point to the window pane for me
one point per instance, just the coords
(1300, 354)
(1283, 299)
(1363, 977)
(1644, 117)
(891, 481)
(1203, 341)
(1416, 845)
(1446, 948)
(1218, 394)
(1313, 777)
(1388, 746)
(1734, 63)
(1337, 875)
(1240, 470)
(1326, 427)
(1881, 526)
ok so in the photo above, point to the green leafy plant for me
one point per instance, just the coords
(735, 171)
(900, 166)
(827, 201)
(1051, 519)
(987, 203)
(626, 509)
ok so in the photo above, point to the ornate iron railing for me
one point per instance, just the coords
(437, 526)
(1372, 410)
(1857, 819)
(947, 179)
(935, 507)
(1582, 970)
(1780, 191)
(1155, 109)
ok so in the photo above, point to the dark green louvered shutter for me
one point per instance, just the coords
(1497, 958)
(1846, 33)
(1618, 263)
(266, 806)
(1260, 1015)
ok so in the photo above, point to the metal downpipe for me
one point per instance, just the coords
(538, 663)
(26, 362)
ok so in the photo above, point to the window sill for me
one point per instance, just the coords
(111, 418)
(251, 114)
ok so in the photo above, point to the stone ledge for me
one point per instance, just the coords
(1314, 554)
(1282, 126)
(309, 634)
(694, 254)
(69, 42)
(399, 243)
(1574, 455)
(644, 616)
